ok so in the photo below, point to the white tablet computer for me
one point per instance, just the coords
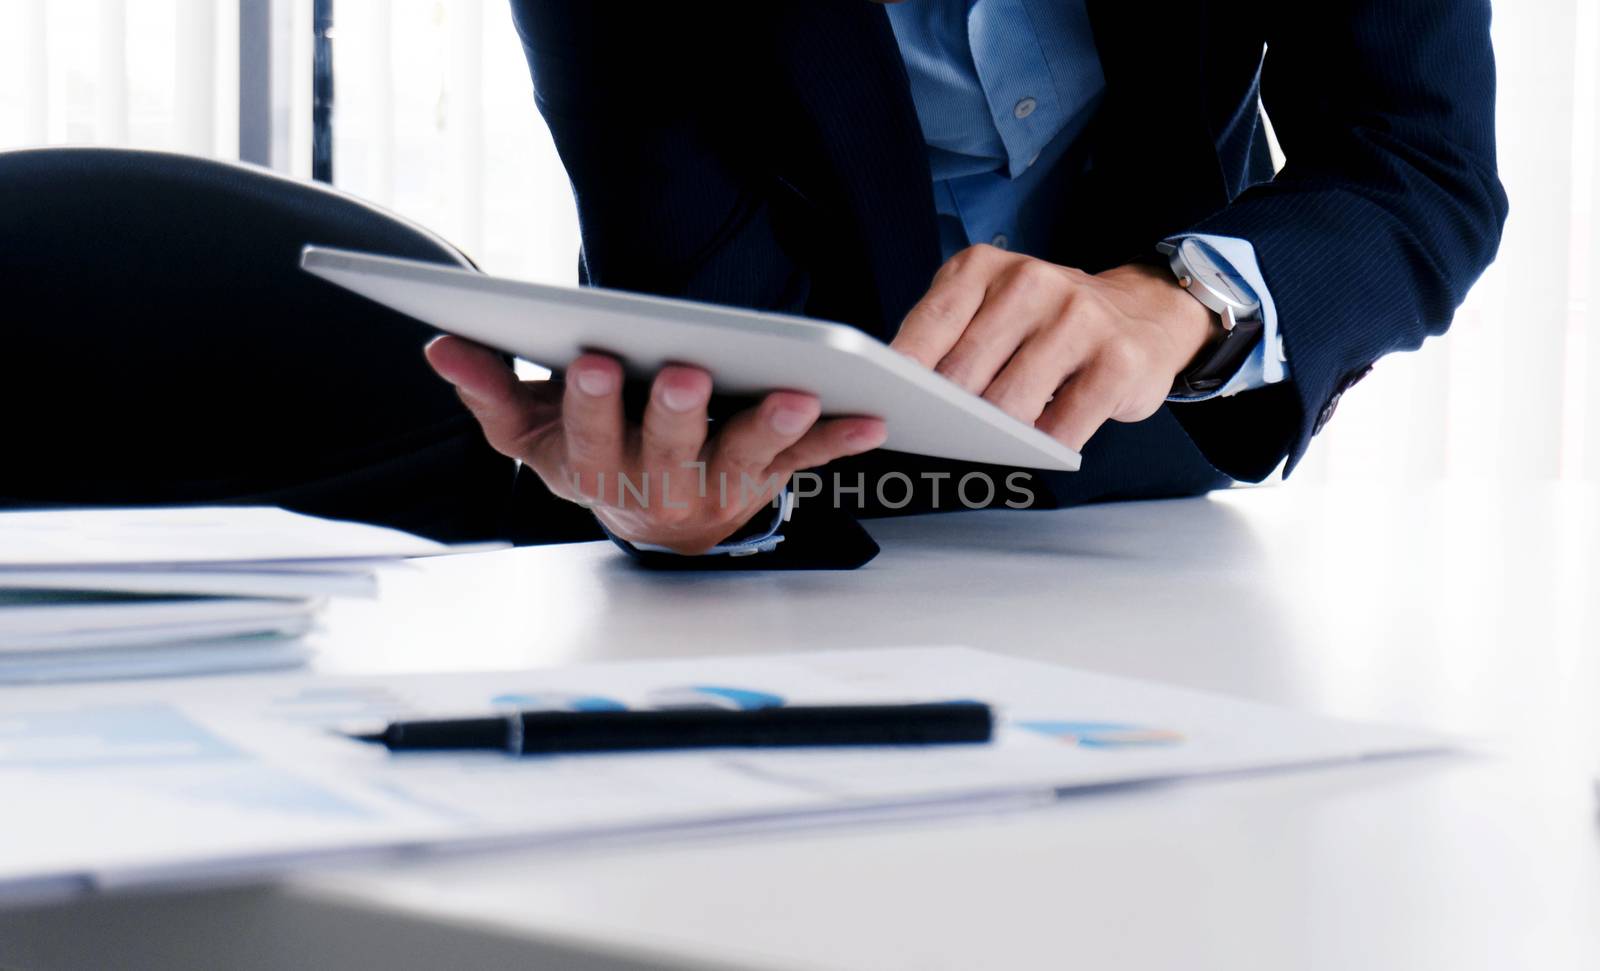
(747, 353)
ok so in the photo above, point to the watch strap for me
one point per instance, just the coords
(1219, 362)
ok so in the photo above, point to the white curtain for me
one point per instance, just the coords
(1513, 391)
(160, 74)
(434, 118)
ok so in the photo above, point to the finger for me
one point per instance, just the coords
(510, 411)
(674, 427)
(1014, 308)
(1081, 406)
(592, 421)
(472, 368)
(754, 437)
(830, 440)
(939, 318)
(1042, 364)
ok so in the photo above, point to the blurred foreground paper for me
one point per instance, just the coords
(116, 785)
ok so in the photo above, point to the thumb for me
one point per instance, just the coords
(508, 409)
(474, 370)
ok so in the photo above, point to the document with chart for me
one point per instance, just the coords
(134, 783)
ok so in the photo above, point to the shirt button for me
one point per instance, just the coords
(1000, 241)
(1025, 107)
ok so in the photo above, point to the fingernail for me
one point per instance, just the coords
(678, 399)
(788, 421)
(596, 383)
(859, 436)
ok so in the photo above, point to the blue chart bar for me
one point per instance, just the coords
(94, 741)
(681, 696)
(714, 696)
(1102, 734)
(556, 701)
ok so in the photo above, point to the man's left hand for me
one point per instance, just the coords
(1056, 347)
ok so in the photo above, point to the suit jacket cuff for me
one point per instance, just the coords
(820, 538)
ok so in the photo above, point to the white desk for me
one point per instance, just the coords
(1469, 609)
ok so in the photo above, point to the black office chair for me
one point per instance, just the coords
(160, 345)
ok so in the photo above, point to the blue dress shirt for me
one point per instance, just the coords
(1003, 88)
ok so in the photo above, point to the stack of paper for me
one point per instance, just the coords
(107, 593)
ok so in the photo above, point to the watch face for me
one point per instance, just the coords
(1216, 274)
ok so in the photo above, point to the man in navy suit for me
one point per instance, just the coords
(1066, 206)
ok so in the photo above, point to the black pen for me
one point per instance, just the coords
(553, 732)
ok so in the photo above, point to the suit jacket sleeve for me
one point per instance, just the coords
(1385, 214)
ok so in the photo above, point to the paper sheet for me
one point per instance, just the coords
(178, 535)
(194, 582)
(28, 614)
(250, 652)
(116, 785)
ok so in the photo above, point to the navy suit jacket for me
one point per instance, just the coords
(767, 153)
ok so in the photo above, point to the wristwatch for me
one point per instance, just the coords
(1212, 280)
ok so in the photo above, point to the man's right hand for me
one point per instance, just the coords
(689, 490)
